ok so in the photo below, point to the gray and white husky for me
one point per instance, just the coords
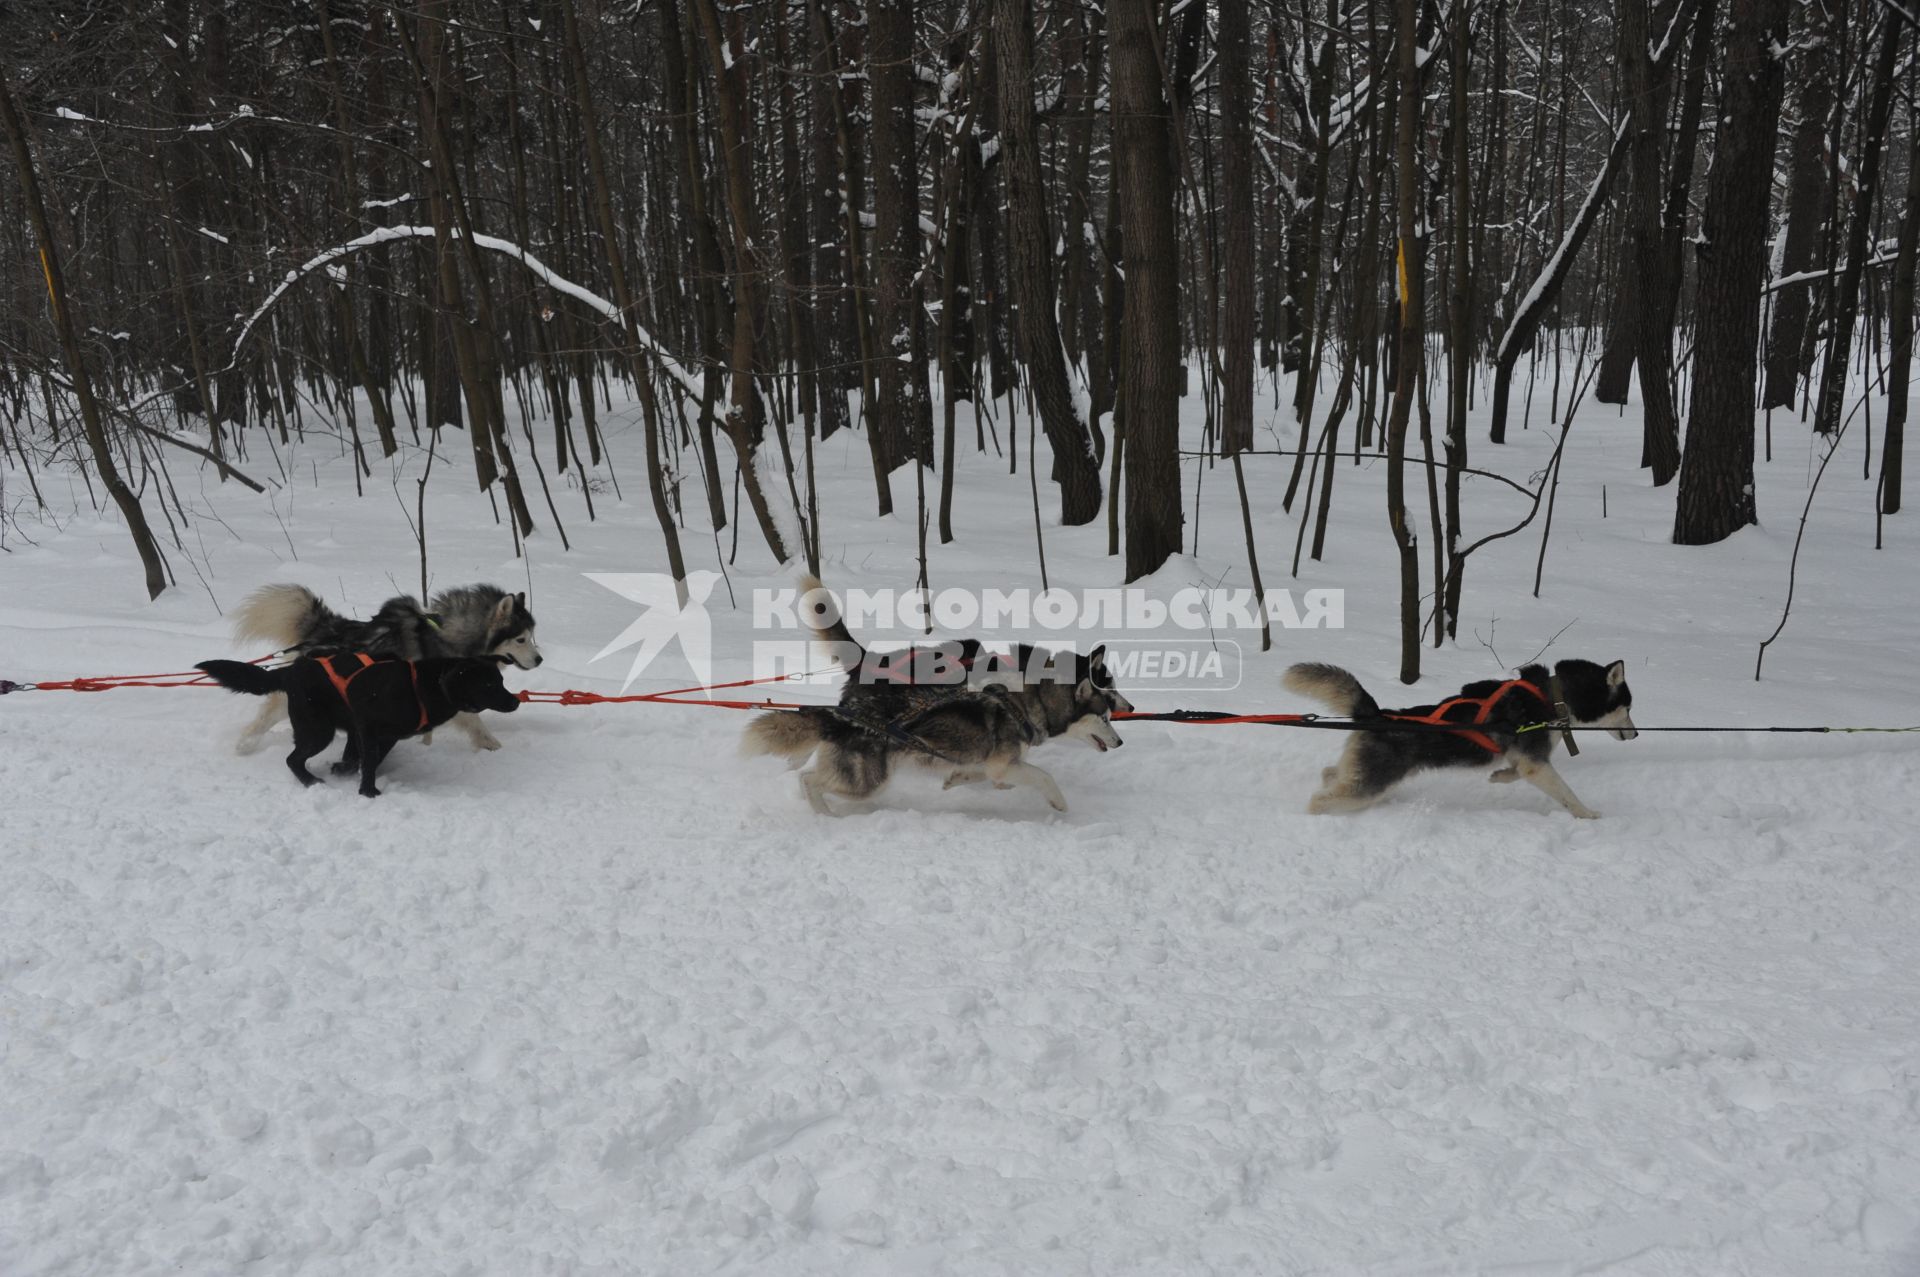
(974, 727)
(1489, 713)
(473, 620)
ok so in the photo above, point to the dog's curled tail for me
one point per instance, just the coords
(792, 734)
(1333, 687)
(238, 676)
(283, 615)
(832, 628)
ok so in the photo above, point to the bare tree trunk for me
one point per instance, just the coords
(1900, 318)
(90, 420)
(1716, 470)
(1866, 186)
(1651, 341)
(904, 410)
(1524, 327)
(1030, 245)
(708, 308)
(1240, 282)
(1407, 358)
(745, 423)
(882, 446)
(623, 298)
(1150, 377)
(1459, 316)
(1810, 169)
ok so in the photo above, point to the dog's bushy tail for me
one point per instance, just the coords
(238, 676)
(1333, 687)
(283, 615)
(831, 632)
(792, 734)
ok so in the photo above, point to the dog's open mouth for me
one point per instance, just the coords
(1099, 744)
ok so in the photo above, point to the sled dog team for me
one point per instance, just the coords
(410, 668)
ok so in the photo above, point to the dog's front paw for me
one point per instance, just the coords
(369, 791)
(484, 739)
(346, 767)
(1505, 776)
(1584, 813)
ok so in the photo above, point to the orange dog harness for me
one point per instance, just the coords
(1483, 710)
(340, 681)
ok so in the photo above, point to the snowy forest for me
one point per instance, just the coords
(772, 222)
(1504, 390)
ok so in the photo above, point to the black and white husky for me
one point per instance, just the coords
(1489, 714)
(473, 620)
(976, 726)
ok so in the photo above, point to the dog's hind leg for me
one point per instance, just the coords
(850, 773)
(349, 757)
(476, 731)
(1341, 786)
(272, 710)
(1541, 775)
(1019, 772)
(815, 785)
(308, 740)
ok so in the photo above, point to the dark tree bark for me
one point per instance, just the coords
(1460, 328)
(1150, 376)
(1866, 186)
(1240, 281)
(904, 413)
(1407, 358)
(1651, 339)
(1032, 258)
(709, 311)
(1716, 470)
(746, 416)
(1030, 248)
(1900, 318)
(1809, 204)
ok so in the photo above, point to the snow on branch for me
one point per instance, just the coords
(492, 243)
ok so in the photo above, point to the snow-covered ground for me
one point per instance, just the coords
(612, 1000)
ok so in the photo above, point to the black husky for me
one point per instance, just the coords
(376, 702)
(1489, 714)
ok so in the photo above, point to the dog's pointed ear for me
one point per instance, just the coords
(1616, 673)
(1097, 658)
(520, 599)
(503, 610)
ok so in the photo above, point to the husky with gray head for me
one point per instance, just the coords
(1490, 715)
(975, 718)
(473, 620)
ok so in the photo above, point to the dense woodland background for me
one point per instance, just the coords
(770, 221)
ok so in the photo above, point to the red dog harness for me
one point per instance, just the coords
(340, 681)
(1483, 710)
